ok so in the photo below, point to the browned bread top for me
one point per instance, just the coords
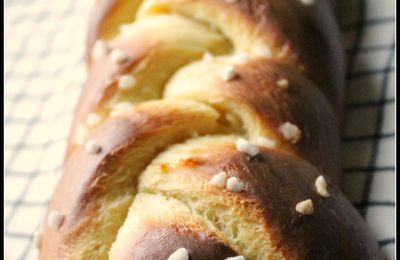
(207, 129)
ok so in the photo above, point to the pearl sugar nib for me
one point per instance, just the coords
(219, 180)
(207, 57)
(234, 184)
(245, 146)
(228, 73)
(239, 257)
(179, 254)
(305, 207)
(93, 119)
(282, 83)
(126, 82)
(118, 56)
(290, 132)
(92, 147)
(100, 49)
(322, 186)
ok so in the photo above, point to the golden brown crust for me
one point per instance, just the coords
(159, 242)
(274, 183)
(308, 37)
(146, 56)
(146, 190)
(256, 89)
(305, 36)
(320, 139)
(100, 86)
(105, 18)
(89, 178)
(278, 182)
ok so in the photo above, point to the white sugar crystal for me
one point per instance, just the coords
(290, 132)
(234, 184)
(240, 257)
(228, 73)
(92, 147)
(93, 119)
(207, 57)
(322, 186)
(282, 83)
(179, 254)
(245, 146)
(305, 207)
(219, 180)
(118, 56)
(126, 82)
(100, 49)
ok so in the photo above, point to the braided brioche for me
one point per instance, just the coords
(207, 129)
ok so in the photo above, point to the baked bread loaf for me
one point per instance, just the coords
(207, 129)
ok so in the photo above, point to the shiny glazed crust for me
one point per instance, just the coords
(158, 122)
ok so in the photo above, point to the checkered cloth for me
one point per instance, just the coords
(44, 69)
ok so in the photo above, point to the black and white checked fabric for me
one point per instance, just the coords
(44, 69)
